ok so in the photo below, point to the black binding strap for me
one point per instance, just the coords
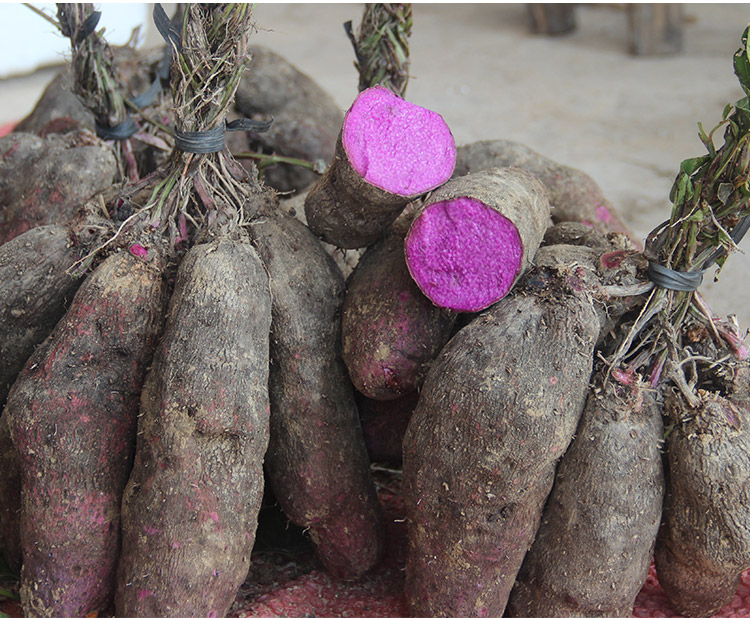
(88, 26)
(690, 281)
(213, 140)
(166, 28)
(147, 97)
(122, 131)
(674, 280)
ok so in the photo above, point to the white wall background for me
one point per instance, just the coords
(28, 41)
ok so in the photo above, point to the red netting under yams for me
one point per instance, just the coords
(379, 594)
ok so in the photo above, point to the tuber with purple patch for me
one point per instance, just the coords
(389, 152)
(390, 331)
(46, 181)
(475, 236)
(72, 415)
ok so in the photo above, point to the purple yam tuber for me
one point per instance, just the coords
(317, 461)
(593, 549)
(35, 289)
(72, 418)
(497, 410)
(475, 236)
(704, 542)
(190, 507)
(66, 170)
(389, 152)
(390, 331)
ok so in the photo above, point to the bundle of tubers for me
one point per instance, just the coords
(210, 350)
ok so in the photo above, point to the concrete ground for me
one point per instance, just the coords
(580, 99)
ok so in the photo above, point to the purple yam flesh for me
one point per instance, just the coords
(396, 145)
(463, 255)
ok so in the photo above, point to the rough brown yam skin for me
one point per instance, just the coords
(34, 292)
(70, 169)
(594, 546)
(390, 331)
(306, 118)
(497, 410)
(704, 542)
(317, 461)
(190, 507)
(57, 101)
(573, 195)
(588, 270)
(574, 233)
(72, 416)
(345, 210)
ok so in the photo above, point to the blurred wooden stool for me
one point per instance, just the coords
(653, 29)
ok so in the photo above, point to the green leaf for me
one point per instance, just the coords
(679, 189)
(742, 63)
(690, 166)
(703, 135)
(723, 191)
(743, 104)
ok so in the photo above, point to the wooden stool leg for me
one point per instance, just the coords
(655, 29)
(552, 19)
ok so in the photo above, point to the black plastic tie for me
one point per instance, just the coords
(166, 28)
(673, 279)
(200, 142)
(213, 140)
(124, 130)
(248, 124)
(88, 26)
(147, 97)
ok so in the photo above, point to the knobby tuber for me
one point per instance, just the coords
(704, 543)
(594, 546)
(497, 410)
(389, 151)
(190, 506)
(35, 289)
(45, 181)
(475, 236)
(72, 418)
(390, 331)
(317, 461)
